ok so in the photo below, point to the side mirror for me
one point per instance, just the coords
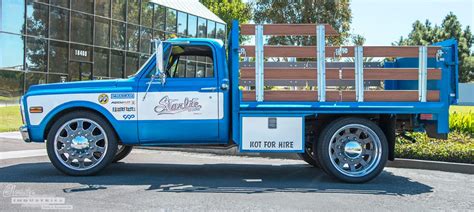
(159, 69)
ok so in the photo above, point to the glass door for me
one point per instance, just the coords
(79, 71)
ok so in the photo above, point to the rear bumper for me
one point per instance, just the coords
(25, 134)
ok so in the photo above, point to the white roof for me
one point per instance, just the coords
(193, 7)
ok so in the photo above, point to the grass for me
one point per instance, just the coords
(10, 118)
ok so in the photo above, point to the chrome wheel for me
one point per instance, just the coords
(355, 150)
(80, 144)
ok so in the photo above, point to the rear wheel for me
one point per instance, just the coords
(353, 150)
(122, 152)
(81, 143)
(308, 156)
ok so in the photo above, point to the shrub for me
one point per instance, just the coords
(458, 148)
(462, 121)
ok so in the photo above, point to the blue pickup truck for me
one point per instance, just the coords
(340, 115)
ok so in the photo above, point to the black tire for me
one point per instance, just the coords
(307, 156)
(325, 154)
(110, 146)
(122, 152)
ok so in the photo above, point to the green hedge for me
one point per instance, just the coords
(458, 148)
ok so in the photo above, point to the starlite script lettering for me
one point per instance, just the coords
(173, 106)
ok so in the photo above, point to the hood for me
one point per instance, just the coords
(79, 84)
(95, 86)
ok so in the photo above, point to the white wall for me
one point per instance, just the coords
(466, 94)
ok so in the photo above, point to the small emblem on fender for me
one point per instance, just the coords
(103, 99)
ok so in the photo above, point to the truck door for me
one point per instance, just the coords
(186, 108)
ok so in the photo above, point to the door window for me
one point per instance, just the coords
(191, 62)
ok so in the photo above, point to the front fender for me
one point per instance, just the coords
(122, 127)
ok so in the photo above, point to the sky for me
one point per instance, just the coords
(382, 22)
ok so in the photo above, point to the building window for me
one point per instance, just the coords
(102, 27)
(145, 43)
(158, 34)
(37, 19)
(101, 63)
(34, 79)
(202, 28)
(86, 6)
(143, 59)
(61, 3)
(59, 19)
(102, 8)
(81, 28)
(159, 17)
(116, 64)
(182, 23)
(132, 64)
(133, 36)
(118, 9)
(211, 29)
(192, 26)
(36, 54)
(170, 20)
(10, 11)
(11, 85)
(54, 78)
(58, 57)
(133, 11)
(147, 13)
(220, 31)
(12, 55)
(118, 35)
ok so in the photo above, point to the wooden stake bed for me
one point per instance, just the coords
(341, 96)
(357, 73)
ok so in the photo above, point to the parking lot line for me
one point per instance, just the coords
(22, 154)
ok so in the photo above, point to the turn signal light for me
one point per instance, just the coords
(36, 109)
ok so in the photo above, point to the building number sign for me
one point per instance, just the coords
(81, 53)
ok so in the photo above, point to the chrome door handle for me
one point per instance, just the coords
(209, 89)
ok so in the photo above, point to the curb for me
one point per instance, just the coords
(463, 168)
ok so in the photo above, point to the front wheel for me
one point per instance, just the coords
(353, 150)
(122, 152)
(81, 143)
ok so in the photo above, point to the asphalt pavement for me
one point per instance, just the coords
(177, 181)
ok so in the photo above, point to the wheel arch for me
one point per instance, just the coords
(387, 122)
(56, 115)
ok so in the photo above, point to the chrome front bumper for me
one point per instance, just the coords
(25, 134)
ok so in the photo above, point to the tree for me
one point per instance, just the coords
(229, 10)
(426, 34)
(336, 13)
(358, 40)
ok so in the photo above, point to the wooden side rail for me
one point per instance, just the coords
(287, 29)
(369, 51)
(248, 73)
(342, 96)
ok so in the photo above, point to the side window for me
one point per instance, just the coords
(191, 62)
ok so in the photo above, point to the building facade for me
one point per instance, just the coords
(47, 41)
